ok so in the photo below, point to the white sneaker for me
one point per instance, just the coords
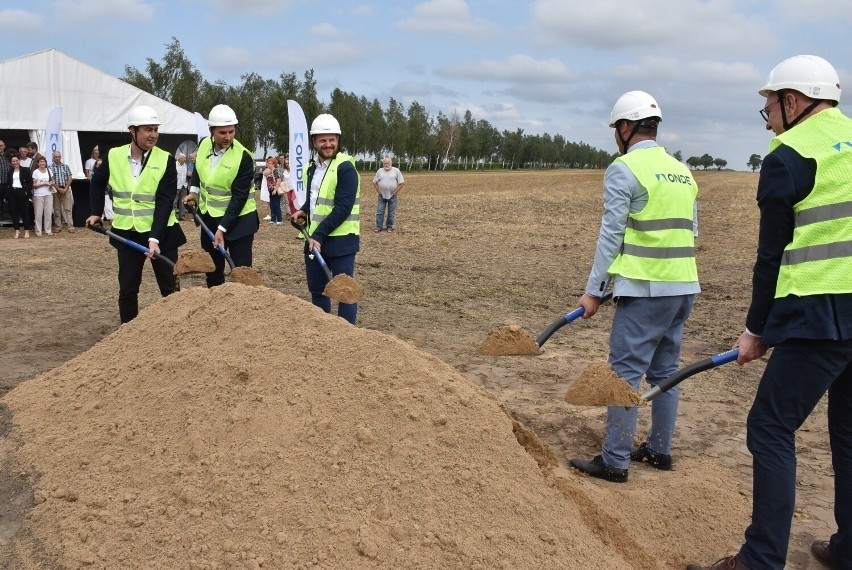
(278, 223)
(267, 218)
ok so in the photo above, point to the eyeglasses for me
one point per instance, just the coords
(765, 111)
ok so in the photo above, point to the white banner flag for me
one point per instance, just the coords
(53, 134)
(299, 151)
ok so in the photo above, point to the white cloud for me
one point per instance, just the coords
(17, 22)
(515, 68)
(445, 17)
(324, 30)
(264, 8)
(90, 11)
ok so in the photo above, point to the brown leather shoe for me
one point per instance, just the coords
(821, 552)
(727, 563)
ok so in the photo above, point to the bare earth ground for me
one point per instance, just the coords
(473, 251)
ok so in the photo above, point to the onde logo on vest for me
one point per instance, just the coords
(677, 178)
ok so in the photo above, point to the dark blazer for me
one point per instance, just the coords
(26, 180)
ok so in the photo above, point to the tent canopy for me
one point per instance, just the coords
(92, 101)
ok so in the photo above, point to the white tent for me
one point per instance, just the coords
(31, 86)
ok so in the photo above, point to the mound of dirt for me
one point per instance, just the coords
(509, 340)
(599, 386)
(344, 289)
(204, 434)
(247, 276)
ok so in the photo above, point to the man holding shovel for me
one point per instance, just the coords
(647, 245)
(332, 212)
(144, 185)
(801, 304)
(222, 186)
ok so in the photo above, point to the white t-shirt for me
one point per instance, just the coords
(40, 177)
(90, 165)
(388, 180)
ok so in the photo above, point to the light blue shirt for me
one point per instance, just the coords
(624, 195)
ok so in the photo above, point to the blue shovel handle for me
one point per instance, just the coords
(191, 209)
(132, 244)
(687, 371)
(314, 251)
(564, 320)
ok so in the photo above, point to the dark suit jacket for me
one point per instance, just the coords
(26, 180)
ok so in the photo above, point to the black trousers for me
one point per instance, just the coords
(20, 207)
(130, 264)
(240, 251)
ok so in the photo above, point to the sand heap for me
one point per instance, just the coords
(598, 385)
(509, 340)
(239, 427)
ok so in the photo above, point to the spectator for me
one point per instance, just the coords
(20, 183)
(89, 167)
(801, 304)
(287, 188)
(388, 182)
(144, 185)
(26, 160)
(182, 185)
(34, 154)
(63, 199)
(332, 213)
(43, 189)
(222, 185)
(647, 246)
(269, 190)
(5, 168)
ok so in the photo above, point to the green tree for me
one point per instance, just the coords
(754, 162)
(720, 163)
(706, 161)
(693, 162)
(419, 132)
(678, 156)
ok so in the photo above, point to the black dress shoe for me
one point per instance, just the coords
(727, 563)
(660, 461)
(821, 552)
(597, 468)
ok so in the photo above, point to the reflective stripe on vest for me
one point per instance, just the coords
(659, 244)
(134, 199)
(215, 195)
(325, 200)
(819, 258)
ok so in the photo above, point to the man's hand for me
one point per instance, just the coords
(190, 199)
(751, 347)
(299, 217)
(93, 221)
(590, 305)
(155, 249)
(219, 239)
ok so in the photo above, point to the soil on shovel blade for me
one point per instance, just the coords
(247, 276)
(194, 261)
(344, 289)
(509, 340)
(599, 386)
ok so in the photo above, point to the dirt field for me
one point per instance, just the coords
(470, 252)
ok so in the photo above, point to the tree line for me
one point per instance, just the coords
(418, 140)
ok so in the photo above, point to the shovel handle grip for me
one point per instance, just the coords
(314, 251)
(132, 244)
(690, 370)
(191, 209)
(564, 320)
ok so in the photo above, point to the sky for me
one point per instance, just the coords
(544, 66)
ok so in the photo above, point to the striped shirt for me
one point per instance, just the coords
(61, 173)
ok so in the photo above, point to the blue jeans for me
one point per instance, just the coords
(798, 374)
(317, 281)
(381, 203)
(275, 208)
(645, 341)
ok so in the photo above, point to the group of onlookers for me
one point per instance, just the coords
(276, 188)
(34, 192)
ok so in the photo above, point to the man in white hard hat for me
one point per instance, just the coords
(222, 187)
(646, 247)
(144, 184)
(332, 212)
(801, 304)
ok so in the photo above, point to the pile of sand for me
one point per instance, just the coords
(509, 340)
(205, 434)
(598, 385)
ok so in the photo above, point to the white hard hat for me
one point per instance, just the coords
(810, 75)
(325, 124)
(142, 115)
(634, 106)
(221, 116)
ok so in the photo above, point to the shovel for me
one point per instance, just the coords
(687, 371)
(130, 243)
(342, 288)
(244, 275)
(513, 340)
